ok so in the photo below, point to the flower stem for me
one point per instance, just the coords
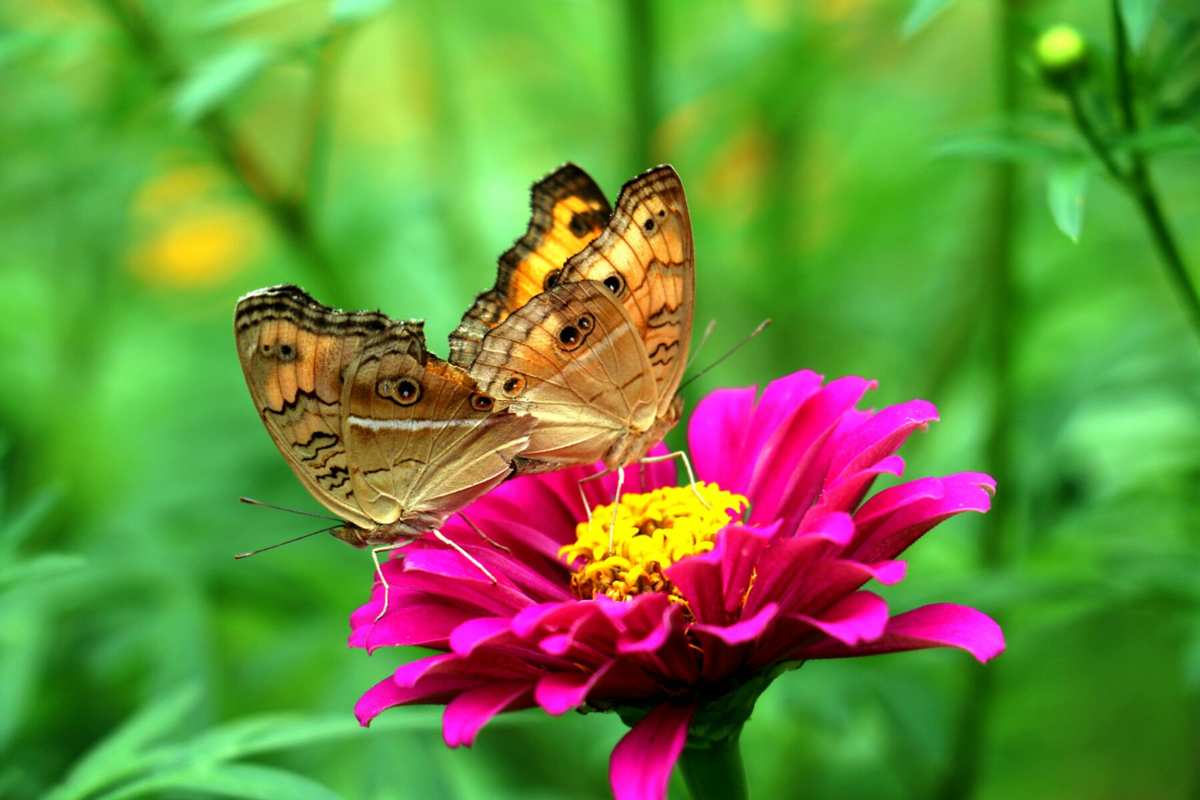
(1140, 184)
(640, 48)
(1136, 179)
(715, 771)
(998, 240)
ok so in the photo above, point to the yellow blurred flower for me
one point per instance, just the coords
(199, 248)
(191, 233)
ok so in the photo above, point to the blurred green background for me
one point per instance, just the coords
(870, 174)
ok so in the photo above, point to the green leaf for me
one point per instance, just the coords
(235, 12)
(921, 14)
(1161, 139)
(121, 754)
(997, 147)
(214, 81)
(1066, 190)
(349, 11)
(25, 522)
(38, 568)
(1138, 16)
(249, 781)
(270, 732)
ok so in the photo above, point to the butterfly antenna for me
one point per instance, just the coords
(250, 501)
(704, 337)
(240, 556)
(762, 326)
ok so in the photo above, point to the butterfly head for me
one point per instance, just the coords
(353, 535)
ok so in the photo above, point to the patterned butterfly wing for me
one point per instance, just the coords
(294, 352)
(646, 258)
(571, 359)
(425, 441)
(568, 211)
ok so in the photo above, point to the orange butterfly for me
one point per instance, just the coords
(597, 356)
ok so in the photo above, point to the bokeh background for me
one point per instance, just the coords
(871, 174)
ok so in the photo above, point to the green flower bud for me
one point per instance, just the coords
(1061, 55)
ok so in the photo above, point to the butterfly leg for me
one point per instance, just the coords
(586, 505)
(483, 535)
(612, 529)
(441, 537)
(687, 466)
(375, 551)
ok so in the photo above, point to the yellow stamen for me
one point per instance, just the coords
(653, 531)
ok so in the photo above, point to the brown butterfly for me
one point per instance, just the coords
(597, 357)
(385, 435)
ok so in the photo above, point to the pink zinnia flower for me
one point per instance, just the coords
(700, 603)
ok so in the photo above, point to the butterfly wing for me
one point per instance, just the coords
(425, 441)
(568, 211)
(571, 358)
(646, 258)
(294, 352)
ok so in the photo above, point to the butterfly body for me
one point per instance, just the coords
(597, 357)
(382, 433)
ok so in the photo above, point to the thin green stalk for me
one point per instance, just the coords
(1091, 135)
(640, 45)
(969, 738)
(715, 772)
(1140, 184)
(1137, 182)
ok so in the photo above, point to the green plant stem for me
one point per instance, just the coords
(715, 772)
(640, 44)
(998, 239)
(1140, 184)
(1137, 182)
(1091, 135)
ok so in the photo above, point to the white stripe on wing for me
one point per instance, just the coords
(410, 424)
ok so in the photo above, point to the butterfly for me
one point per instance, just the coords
(387, 436)
(568, 210)
(597, 356)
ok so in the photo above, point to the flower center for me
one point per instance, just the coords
(653, 530)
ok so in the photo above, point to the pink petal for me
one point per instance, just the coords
(527, 620)
(880, 436)
(656, 636)
(714, 583)
(559, 692)
(409, 673)
(792, 464)
(780, 401)
(938, 625)
(833, 579)
(844, 493)
(469, 635)
(889, 573)
(642, 761)
(466, 714)
(861, 617)
(743, 631)
(837, 528)
(896, 517)
(388, 693)
(716, 432)
(421, 623)
(447, 563)
(377, 699)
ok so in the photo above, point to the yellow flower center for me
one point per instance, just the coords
(652, 532)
